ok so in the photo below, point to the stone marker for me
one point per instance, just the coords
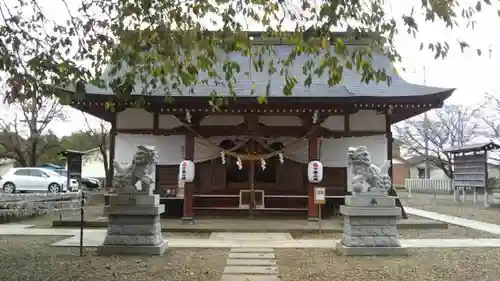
(370, 215)
(134, 226)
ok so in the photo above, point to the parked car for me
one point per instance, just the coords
(33, 179)
(73, 183)
(91, 183)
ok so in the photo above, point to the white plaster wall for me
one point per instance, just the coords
(333, 152)
(93, 166)
(367, 120)
(167, 121)
(170, 148)
(134, 118)
(434, 173)
(334, 123)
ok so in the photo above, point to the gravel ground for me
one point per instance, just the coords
(29, 258)
(451, 232)
(426, 264)
(444, 204)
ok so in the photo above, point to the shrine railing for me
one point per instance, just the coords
(430, 186)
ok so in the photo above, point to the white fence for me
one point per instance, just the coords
(432, 186)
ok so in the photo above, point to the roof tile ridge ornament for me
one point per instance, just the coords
(390, 109)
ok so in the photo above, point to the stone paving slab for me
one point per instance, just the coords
(252, 250)
(51, 231)
(209, 225)
(250, 236)
(251, 262)
(450, 243)
(251, 256)
(250, 277)
(250, 270)
(16, 226)
(96, 239)
(477, 225)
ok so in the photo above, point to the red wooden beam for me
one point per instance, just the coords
(187, 216)
(312, 208)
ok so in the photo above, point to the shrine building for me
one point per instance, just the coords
(251, 158)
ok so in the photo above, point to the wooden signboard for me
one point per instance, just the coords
(319, 195)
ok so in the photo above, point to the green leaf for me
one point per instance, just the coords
(261, 100)
(308, 81)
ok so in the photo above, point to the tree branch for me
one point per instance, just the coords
(452, 125)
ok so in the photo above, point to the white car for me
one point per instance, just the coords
(33, 179)
(73, 183)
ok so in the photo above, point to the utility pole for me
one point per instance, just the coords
(426, 139)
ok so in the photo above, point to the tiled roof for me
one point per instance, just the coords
(491, 145)
(417, 159)
(349, 87)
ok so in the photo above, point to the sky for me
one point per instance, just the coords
(470, 74)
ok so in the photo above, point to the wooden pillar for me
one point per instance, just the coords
(112, 144)
(251, 176)
(389, 142)
(111, 166)
(187, 216)
(392, 191)
(252, 123)
(312, 209)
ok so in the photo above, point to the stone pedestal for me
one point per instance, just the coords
(134, 226)
(370, 226)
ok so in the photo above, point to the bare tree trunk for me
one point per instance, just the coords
(32, 162)
(33, 132)
(107, 167)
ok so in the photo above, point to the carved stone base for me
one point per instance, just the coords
(187, 220)
(370, 251)
(370, 225)
(140, 250)
(134, 226)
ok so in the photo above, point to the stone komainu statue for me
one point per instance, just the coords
(368, 176)
(141, 170)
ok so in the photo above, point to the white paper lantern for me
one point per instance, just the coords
(186, 171)
(315, 172)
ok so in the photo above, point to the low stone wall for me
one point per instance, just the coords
(15, 206)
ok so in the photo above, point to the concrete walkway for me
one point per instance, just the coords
(477, 225)
(93, 241)
(95, 237)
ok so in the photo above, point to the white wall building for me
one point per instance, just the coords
(93, 165)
